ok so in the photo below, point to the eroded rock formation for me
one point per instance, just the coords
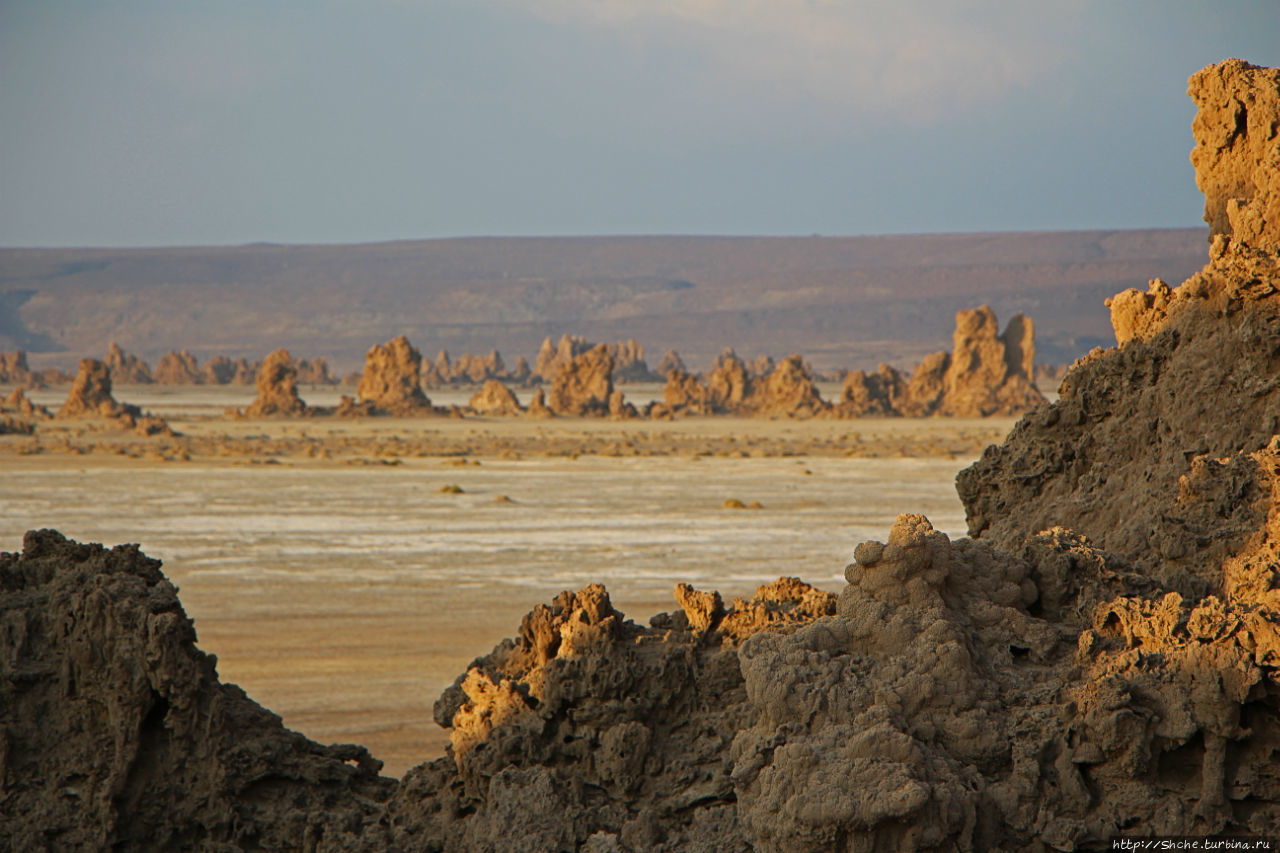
(986, 373)
(627, 359)
(470, 369)
(629, 364)
(495, 398)
(1236, 157)
(126, 368)
(178, 368)
(584, 384)
(314, 371)
(788, 391)
(14, 370)
(117, 733)
(732, 389)
(392, 380)
(587, 724)
(684, 394)
(90, 395)
(221, 370)
(277, 389)
(553, 355)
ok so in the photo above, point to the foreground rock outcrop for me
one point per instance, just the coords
(1100, 658)
(117, 733)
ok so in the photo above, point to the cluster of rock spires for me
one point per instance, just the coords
(627, 359)
(468, 369)
(14, 370)
(987, 374)
(1099, 658)
(183, 368)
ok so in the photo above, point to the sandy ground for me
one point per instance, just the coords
(358, 661)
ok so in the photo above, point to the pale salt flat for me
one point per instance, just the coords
(638, 525)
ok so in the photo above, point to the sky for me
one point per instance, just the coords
(173, 122)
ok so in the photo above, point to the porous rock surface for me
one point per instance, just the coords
(277, 388)
(587, 725)
(584, 384)
(988, 372)
(118, 735)
(392, 380)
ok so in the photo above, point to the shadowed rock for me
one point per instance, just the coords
(117, 733)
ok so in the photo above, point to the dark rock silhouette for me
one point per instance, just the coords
(117, 733)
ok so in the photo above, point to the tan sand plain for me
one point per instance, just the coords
(358, 650)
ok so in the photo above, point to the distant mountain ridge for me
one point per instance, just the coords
(839, 301)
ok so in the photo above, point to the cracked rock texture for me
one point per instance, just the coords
(116, 734)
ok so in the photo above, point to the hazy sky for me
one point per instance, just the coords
(124, 122)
